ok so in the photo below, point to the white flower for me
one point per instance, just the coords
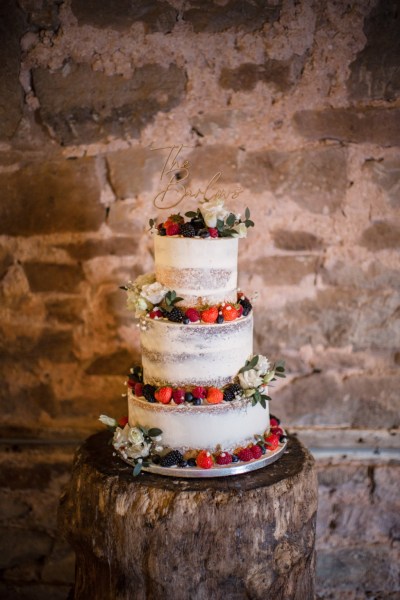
(109, 421)
(135, 436)
(262, 365)
(250, 379)
(135, 302)
(213, 210)
(120, 437)
(154, 292)
(138, 450)
(241, 230)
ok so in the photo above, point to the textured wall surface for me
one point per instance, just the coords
(298, 103)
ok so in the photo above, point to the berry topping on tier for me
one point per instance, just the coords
(163, 395)
(187, 230)
(256, 451)
(171, 459)
(148, 392)
(272, 441)
(245, 454)
(173, 229)
(199, 392)
(209, 315)
(214, 395)
(204, 459)
(138, 389)
(231, 391)
(175, 315)
(178, 396)
(193, 315)
(230, 312)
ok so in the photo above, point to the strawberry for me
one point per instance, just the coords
(139, 389)
(163, 394)
(193, 315)
(210, 315)
(199, 392)
(213, 232)
(173, 229)
(173, 219)
(178, 395)
(272, 441)
(230, 312)
(223, 459)
(256, 451)
(204, 460)
(245, 454)
(277, 431)
(214, 395)
(240, 309)
(122, 421)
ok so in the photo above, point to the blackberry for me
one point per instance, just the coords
(231, 391)
(197, 224)
(148, 392)
(162, 231)
(187, 230)
(247, 306)
(175, 315)
(171, 459)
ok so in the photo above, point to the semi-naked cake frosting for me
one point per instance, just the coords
(200, 397)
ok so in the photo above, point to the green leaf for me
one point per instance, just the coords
(137, 469)
(253, 401)
(154, 432)
(247, 213)
(151, 223)
(249, 223)
(231, 220)
(277, 374)
(262, 402)
(220, 224)
(190, 214)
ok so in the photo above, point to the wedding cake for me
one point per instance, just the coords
(200, 398)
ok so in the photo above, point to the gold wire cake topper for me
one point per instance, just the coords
(175, 172)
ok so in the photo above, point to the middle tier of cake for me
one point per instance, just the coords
(194, 354)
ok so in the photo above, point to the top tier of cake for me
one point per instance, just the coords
(200, 271)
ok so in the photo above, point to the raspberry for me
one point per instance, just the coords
(173, 229)
(223, 459)
(199, 392)
(210, 315)
(178, 395)
(131, 382)
(193, 315)
(277, 431)
(204, 460)
(230, 312)
(214, 395)
(272, 441)
(163, 395)
(139, 389)
(273, 421)
(245, 454)
(256, 451)
(156, 314)
(122, 421)
(213, 232)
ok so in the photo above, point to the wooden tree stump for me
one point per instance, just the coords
(247, 537)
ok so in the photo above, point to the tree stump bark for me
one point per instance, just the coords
(242, 537)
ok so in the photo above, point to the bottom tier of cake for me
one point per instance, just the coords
(223, 427)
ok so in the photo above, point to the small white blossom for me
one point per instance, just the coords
(241, 230)
(135, 436)
(262, 365)
(154, 292)
(109, 421)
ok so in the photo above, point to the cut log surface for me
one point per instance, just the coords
(242, 537)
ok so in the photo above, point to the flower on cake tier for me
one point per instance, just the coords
(109, 421)
(240, 231)
(154, 292)
(213, 211)
(263, 365)
(250, 379)
(131, 441)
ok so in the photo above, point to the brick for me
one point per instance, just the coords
(117, 363)
(12, 27)
(349, 273)
(29, 401)
(381, 235)
(60, 565)
(6, 260)
(283, 270)
(155, 15)
(57, 346)
(205, 161)
(118, 246)
(379, 126)
(46, 197)
(374, 74)
(35, 477)
(283, 74)
(66, 310)
(84, 106)
(51, 277)
(296, 241)
(12, 507)
(242, 15)
(131, 171)
(34, 591)
(18, 546)
(315, 179)
(386, 174)
(209, 123)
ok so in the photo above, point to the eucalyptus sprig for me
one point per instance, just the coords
(170, 300)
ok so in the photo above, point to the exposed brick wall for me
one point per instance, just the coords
(299, 104)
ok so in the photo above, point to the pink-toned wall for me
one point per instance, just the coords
(296, 102)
